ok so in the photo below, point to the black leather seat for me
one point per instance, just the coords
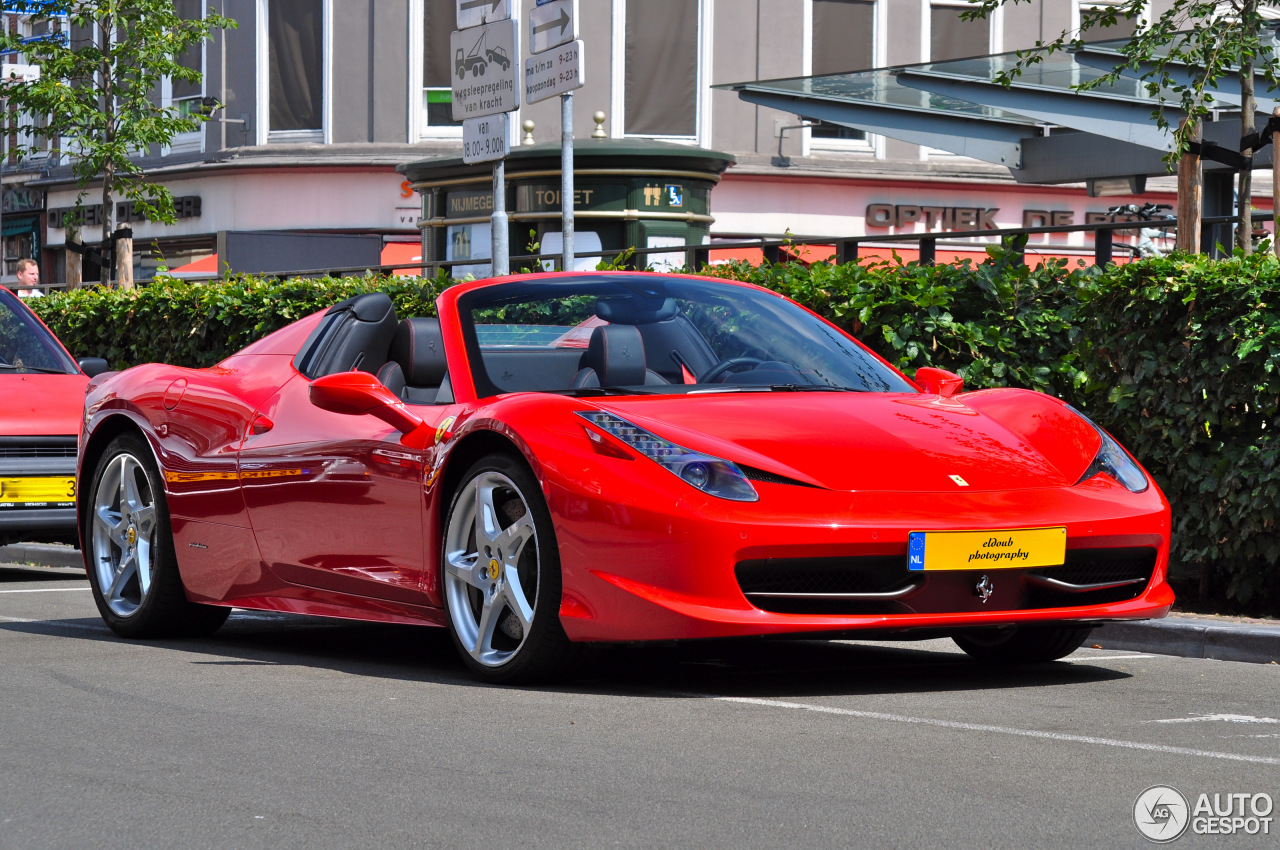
(614, 358)
(417, 366)
(354, 335)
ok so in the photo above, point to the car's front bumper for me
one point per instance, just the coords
(52, 519)
(673, 555)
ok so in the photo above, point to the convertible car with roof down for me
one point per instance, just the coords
(561, 459)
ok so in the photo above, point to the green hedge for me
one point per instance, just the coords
(198, 324)
(1178, 357)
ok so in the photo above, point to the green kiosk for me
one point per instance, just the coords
(628, 193)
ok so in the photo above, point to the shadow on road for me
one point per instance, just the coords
(748, 667)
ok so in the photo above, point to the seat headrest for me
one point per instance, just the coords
(616, 353)
(635, 310)
(419, 349)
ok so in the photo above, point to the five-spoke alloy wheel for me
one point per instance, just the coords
(133, 570)
(502, 575)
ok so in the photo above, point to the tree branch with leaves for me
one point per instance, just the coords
(1180, 57)
(96, 105)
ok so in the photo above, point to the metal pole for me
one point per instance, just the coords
(498, 239)
(566, 181)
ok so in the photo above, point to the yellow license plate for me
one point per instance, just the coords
(987, 550)
(49, 491)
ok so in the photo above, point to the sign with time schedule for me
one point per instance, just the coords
(485, 139)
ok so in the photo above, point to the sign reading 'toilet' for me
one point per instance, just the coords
(485, 60)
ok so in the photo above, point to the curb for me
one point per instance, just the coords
(1257, 642)
(43, 554)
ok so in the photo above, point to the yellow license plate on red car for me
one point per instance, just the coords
(45, 491)
(987, 550)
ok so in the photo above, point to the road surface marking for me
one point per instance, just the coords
(1229, 718)
(45, 590)
(1002, 730)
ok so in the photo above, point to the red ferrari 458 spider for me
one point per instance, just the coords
(563, 459)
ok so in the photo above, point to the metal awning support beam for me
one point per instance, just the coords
(1226, 92)
(1110, 117)
(981, 138)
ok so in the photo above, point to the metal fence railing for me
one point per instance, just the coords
(1217, 231)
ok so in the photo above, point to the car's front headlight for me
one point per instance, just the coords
(709, 474)
(1114, 461)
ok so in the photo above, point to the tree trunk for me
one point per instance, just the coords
(124, 261)
(1275, 187)
(1250, 23)
(1190, 195)
(75, 272)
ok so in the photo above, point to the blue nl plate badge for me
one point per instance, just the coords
(915, 552)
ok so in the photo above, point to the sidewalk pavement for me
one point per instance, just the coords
(1185, 635)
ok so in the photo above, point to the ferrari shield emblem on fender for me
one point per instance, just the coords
(960, 482)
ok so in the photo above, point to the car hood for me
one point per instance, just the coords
(36, 404)
(990, 440)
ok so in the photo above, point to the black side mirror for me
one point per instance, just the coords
(93, 366)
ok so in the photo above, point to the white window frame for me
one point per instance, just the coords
(418, 128)
(192, 142)
(995, 44)
(265, 135)
(1081, 5)
(872, 144)
(25, 138)
(617, 94)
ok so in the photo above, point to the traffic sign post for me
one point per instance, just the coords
(555, 72)
(486, 52)
(555, 68)
(484, 67)
(473, 13)
(552, 24)
(485, 139)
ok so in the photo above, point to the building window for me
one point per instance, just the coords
(664, 51)
(952, 37)
(186, 95)
(1094, 9)
(844, 39)
(439, 18)
(297, 69)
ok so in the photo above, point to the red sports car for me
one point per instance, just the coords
(716, 461)
(41, 399)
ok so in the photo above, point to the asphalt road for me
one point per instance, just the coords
(286, 732)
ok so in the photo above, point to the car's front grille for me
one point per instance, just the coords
(884, 585)
(37, 447)
(1099, 566)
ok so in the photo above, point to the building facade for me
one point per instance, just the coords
(323, 99)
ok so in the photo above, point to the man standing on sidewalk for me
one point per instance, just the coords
(28, 279)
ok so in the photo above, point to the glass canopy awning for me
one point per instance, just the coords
(1040, 127)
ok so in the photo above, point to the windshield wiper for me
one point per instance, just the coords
(812, 388)
(35, 369)
(579, 392)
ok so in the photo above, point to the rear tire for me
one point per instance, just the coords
(501, 576)
(133, 570)
(1023, 644)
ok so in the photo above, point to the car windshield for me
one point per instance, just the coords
(611, 334)
(25, 345)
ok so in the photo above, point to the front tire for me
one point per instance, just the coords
(133, 570)
(501, 574)
(1023, 644)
